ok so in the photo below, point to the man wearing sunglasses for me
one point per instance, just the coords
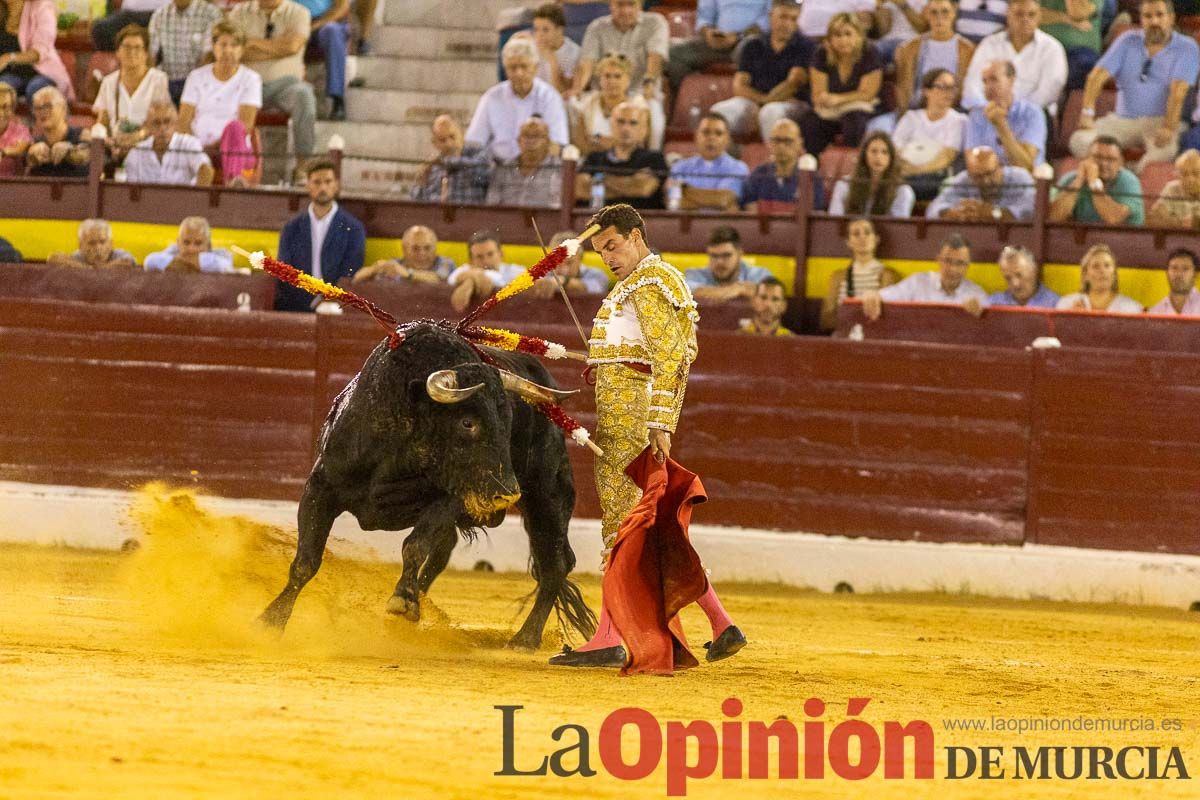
(1153, 69)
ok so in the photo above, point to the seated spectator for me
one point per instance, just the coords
(558, 55)
(1076, 26)
(1038, 59)
(581, 13)
(167, 156)
(420, 264)
(1153, 68)
(1024, 278)
(1100, 282)
(643, 40)
(876, 187)
(106, 30)
(948, 284)
(534, 178)
(221, 102)
(29, 61)
(892, 27)
(486, 272)
(1100, 189)
(8, 253)
(771, 82)
(192, 251)
(126, 94)
(712, 179)
(457, 172)
(324, 241)
(720, 25)
(1014, 128)
(276, 33)
(181, 35)
(939, 48)
(846, 76)
(768, 303)
(980, 18)
(929, 138)
(591, 113)
(14, 136)
(575, 277)
(331, 35)
(1181, 277)
(505, 107)
(1179, 204)
(815, 15)
(727, 276)
(95, 251)
(59, 150)
(772, 186)
(985, 191)
(632, 174)
(865, 274)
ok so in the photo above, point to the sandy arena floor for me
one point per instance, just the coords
(125, 676)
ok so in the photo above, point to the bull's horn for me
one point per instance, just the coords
(534, 392)
(443, 387)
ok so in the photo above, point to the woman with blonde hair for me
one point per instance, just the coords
(1100, 282)
(590, 113)
(846, 75)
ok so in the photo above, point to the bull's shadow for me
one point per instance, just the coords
(430, 437)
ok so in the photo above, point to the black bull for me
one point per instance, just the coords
(427, 436)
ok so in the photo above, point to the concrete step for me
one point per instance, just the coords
(404, 41)
(411, 74)
(477, 14)
(395, 140)
(382, 105)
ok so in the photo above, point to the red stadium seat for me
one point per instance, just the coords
(755, 153)
(697, 94)
(681, 23)
(1154, 177)
(836, 162)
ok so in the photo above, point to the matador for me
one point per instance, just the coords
(642, 345)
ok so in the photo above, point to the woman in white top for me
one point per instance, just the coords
(865, 272)
(929, 139)
(1099, 291)
(590, 129)
(220, 103)
(875, 188)
(126, 94)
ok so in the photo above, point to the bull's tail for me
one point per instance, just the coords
(573, 612)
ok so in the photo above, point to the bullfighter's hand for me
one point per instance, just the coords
(660, 444)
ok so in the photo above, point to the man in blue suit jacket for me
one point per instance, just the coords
(337, 238)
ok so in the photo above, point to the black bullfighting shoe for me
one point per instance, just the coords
(601, 657)
(729, 642)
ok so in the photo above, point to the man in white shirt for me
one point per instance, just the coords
(486, 272)
(167, 156)
(1038, 58)
(947, 285)
(325, 241)
(505, 107)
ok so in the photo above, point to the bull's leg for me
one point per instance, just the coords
(435, 563)
(427, 539)
(545, 515)
(318, 510)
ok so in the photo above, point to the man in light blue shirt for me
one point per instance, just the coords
(712, 179)
(192, 251)
(727, 276)
(948, 285)
(720, 25)
(1014, 128)
(985, 192)
(1153, 69)
(504, 108)
(1024, 279)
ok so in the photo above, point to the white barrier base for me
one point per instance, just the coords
(98, 518)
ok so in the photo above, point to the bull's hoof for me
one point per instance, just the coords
(273, 621)
(402, 607)
(525, 642)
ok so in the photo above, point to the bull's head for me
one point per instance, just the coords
(474, 432)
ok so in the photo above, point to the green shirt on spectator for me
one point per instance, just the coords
(1068, 35)
(1126, 189)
